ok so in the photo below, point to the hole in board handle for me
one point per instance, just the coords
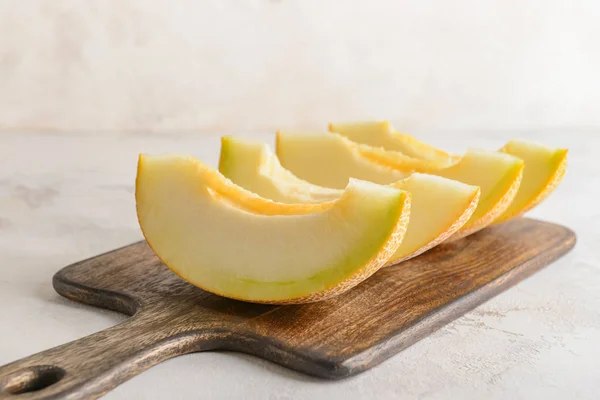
(31, 379)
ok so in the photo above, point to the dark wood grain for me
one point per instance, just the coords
(336, 338)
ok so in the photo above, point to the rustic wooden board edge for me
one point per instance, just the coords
(100, 298)
(310, 362)
(396, 342)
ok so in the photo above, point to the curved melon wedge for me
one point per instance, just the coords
(544, 170)
(253, 166)
(211, 241)
(382, 134)
(439, 206)
(329, 160)
(497, 174)
(499, 178)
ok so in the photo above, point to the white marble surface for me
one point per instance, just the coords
(68, 197)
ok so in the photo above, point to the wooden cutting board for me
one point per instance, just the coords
(332, 339)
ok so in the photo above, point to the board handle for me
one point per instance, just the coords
(89, 367)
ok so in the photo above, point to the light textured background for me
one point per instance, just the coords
(226, 65)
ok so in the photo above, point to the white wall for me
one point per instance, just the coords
(223, 65)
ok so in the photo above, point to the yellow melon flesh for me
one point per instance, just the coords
(329, 160)
(544, 169)
(197, 223)
(382, 134)
(439, 206)
(497, 174)
(401, 162)
(256, 168)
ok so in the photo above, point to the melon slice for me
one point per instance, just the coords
(544, 170)
(382, 134)
(197, 222)
(330, 160)
(256, 168)
(439, 206)
(440, 209)
(497, 174)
